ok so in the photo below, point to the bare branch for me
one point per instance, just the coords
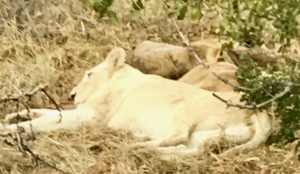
(23, 95)
(29, 95)
(17, 139)
(277, 96)
(28, 116)
(24, 149)
(54, 102)
(187, 44)
(256, 106)
(230, 104)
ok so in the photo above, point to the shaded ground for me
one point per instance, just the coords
(54, 41)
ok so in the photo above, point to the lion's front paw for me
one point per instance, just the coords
(17, 117)
(15, 132)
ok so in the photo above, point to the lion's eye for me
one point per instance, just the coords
(89, 74)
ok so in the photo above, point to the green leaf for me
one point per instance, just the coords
(112, 17)
(182, 12)
(196, 13)
(107, 3)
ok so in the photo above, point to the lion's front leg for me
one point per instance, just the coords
(68, 119)
(25, 115)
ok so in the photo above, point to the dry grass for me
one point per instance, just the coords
(54, 41)
(106, 151)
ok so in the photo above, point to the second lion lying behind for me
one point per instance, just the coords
(177, 117)
(208, 78)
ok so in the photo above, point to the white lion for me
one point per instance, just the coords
(177, 117)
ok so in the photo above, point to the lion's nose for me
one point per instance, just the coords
(72, 96)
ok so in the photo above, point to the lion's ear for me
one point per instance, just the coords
(116, 58)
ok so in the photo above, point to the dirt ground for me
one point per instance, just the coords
(52, 42)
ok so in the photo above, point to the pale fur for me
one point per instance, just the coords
(208, 78)
(177, 117)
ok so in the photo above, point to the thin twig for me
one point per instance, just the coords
(277, 96)
(256, 106)
(39, 159)
(24, 149)
(30, 124)
(19, 141)
(230, 104)
(187, 44)
(30, 94)
(23, 95)
(195, 55)
(54, 102)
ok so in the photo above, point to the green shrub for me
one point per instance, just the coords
(265, 84)
(248, 21)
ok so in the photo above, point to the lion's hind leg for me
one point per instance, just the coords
(201, 141)
(261, 129)
(195, 145)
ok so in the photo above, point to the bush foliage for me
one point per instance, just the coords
(249, 21)
(265, 84)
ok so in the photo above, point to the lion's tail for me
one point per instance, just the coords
(262, 129)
